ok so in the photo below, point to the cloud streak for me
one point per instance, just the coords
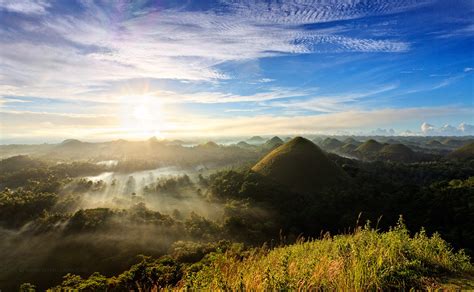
(56, 127)
(25, 6)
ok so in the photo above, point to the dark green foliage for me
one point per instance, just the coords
(42, 207)
(19, 162)
(20, 206)
(465, 152)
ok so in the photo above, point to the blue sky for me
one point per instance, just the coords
(99, 70)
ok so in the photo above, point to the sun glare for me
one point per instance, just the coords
(142, 116)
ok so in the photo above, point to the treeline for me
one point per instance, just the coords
(437, 196)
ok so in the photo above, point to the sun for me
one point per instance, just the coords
(142, 116)
(141, 113)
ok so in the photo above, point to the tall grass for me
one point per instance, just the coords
(364, 260)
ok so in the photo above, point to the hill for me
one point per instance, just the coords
(209, 145)
(455, 143)
(244, 144)
(300, 165)
(273, 142)
(331, 144)
(397, 152)
(256, 140)
(348, 148)
(434, 143)
(369, 147)
(364, 261)
(463, 153)
(351, 140)
(18, 162)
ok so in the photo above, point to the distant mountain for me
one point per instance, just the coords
(331, 144)
(256, 140)
(273, 142)
(244, 144)
(369, 147)
(210, 144)
(397, 152)
(71, 142)
(348, 148)
(463, 153)
(351, 140)
(434, 143)
(454, 142)
(300, 165)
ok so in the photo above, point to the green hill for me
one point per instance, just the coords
(397, 152)
(300, 165)
(351, 140)
(348, 148)
(256, 139)
(244, 144)
(454, 142)
(369, 147)
(273, 142)
(331, 144)
(434, 143)
(209, 145)
(463, 153)
(19, 162)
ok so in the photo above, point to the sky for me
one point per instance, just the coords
(101, 70)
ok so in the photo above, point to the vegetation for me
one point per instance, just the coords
(80, 224)
(365, 260)
(463, 153)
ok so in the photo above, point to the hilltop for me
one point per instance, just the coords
(256, 139)
(300, 165)
(348, 148)
(397, 152)
(273, 142)
(331, 144)
(351, 140)
(16, 163)
(369, 147)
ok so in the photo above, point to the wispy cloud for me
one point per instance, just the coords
(316, 11)
(57, 127)
(221, 97)
(55, 51)
(331, 103)
(25, 6)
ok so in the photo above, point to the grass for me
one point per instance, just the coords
(364, 260)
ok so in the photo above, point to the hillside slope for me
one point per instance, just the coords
(369, 147)
(397, 152)
(364, 261)
(463, 153)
